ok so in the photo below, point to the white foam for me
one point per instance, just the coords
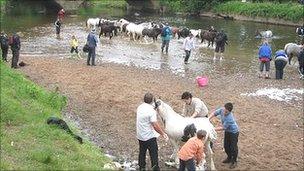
(278, 94)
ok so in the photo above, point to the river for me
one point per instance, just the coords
(38, 38)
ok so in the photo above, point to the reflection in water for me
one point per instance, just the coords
(240, 55)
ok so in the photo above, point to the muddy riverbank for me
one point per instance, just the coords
(104, 100)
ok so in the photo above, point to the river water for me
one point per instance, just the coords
(39, 39)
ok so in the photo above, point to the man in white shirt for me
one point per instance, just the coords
(148, 129)
(194, 107)
(188, 45)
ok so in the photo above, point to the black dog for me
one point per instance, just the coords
(63, 125)
(189, 132)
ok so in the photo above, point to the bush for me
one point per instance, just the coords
(287, 11)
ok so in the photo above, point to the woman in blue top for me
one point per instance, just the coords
(265, 58)
(231, 133)
(280, 61)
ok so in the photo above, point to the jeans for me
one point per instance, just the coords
(189, 164)
(91, 56)
(279, 66)
(150, 145)
(15, 58)
(187, 55)
(267, 66)
(230, 145)
(165, 43)
(57, 30)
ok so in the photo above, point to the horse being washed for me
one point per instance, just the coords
(175, 125)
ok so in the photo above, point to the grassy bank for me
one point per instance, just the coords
(287, 11)
(27, 142)
(103, 6)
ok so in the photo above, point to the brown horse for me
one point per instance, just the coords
(209, 36)
(175, 31)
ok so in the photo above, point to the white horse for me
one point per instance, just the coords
(92, 22)
(175, 125)
(131, 27)
(196, 33)
(122, 22)
(292, 49)
(265, 34)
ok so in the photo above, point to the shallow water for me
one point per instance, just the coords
(38, 38)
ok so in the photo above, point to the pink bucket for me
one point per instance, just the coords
(202, 81)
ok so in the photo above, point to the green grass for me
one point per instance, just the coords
(27, 142)
(288, 11)
(104, 8)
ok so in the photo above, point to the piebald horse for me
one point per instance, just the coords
(175, 124)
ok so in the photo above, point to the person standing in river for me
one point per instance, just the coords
(58, 26)
(265, 58)
(166, 34)
(92, 42)
(60, 14)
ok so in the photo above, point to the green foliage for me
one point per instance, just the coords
(27, 142)
(104, 7)
(190, 6)
(287, 11)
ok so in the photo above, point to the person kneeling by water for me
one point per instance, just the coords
(280, 61)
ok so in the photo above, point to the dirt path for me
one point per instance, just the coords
(104, 100)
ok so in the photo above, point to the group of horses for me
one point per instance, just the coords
(149, 29)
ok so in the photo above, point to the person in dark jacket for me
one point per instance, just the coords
(92, 41)
(15, 47)
(265, 58)
(280, 61)
(301, 63)
(4, 45)
(220, 41)
(58, 26)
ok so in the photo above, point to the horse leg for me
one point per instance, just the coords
(289, 59)
(210, 156)
(175, 151)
